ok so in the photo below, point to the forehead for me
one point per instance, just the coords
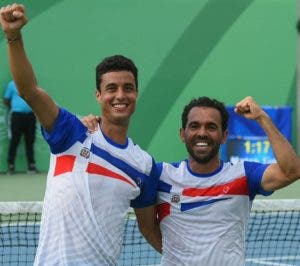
(204, 115)
(119, 77)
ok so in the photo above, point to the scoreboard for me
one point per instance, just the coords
(248, 142)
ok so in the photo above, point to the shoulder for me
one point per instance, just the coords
(171, 167)
(136, 149)
(67, 130)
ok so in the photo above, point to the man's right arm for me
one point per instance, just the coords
(149, 227)
(12, 19)
(7, 103)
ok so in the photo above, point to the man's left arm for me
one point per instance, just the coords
(149, 227)
(287, 168)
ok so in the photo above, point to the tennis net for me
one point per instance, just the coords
(273, 236)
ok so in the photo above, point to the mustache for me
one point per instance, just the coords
(204, 138)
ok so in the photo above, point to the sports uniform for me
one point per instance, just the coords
(91, 183)
(22, 122)
(203, 218)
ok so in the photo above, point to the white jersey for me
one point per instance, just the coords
(203, 218)
(91, 183)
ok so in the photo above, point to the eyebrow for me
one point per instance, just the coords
(207, 123)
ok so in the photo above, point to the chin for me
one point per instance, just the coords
(122, 120)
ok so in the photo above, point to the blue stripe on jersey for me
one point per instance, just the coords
(66, 131)
(219, 169)
(110, 141)
(164, 187)
(176, 164)
(147, 183)
(149, 191)
(254, 172)
(192, 205)
(159, 167)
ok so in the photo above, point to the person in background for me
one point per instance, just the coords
(22, 123)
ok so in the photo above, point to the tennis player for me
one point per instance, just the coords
(204, 203)
(93, 178)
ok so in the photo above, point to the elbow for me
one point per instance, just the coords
(291, 170)
(294, 173)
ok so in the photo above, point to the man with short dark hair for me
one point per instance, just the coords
(93, 178)
(204, 203)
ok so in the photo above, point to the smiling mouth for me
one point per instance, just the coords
(120, 106)
(201, 144)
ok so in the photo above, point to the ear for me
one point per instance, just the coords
(182, 134)
(98, 96)
(224, 137)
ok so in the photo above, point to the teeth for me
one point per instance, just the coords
(201, 144)
(119, 105)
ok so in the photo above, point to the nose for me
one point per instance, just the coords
(120, 94)
(201, 132)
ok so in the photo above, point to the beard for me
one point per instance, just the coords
(206, 157)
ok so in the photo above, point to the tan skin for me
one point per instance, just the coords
(203, 121)
(117, 97)
(204, 130)
(287, 168)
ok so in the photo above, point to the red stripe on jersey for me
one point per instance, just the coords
(236, 187)
(100, 170)
(64, 164)
(163, 210)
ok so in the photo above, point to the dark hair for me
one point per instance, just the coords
(206, 102)
(115, 63)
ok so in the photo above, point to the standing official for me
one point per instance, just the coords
(22, 123)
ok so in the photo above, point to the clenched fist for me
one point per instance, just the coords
(12, 19)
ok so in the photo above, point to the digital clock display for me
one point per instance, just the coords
(254, 149)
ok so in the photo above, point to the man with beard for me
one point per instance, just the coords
(204, 203)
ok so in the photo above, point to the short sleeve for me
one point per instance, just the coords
(254, 172)
(148, 193)
(67, 130)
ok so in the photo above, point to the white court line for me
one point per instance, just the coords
(270, 260)
(263, 262)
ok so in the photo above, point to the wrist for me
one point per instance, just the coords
(12, 38)
(262, 117)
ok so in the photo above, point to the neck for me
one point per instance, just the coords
(116, 132)
(204, 168)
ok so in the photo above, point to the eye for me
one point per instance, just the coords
(193, 126)
(129, 87)
(212, 127)
(110, 88)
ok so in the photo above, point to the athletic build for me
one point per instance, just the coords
(204, 203)
(93, 178)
